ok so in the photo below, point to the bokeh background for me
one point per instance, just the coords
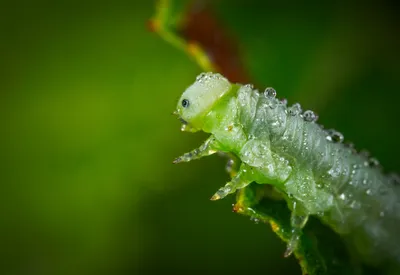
(87, 92)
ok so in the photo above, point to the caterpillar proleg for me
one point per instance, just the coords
(313, 170)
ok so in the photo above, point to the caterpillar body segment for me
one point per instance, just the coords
(284, 147)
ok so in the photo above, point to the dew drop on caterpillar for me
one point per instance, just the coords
(286, 148)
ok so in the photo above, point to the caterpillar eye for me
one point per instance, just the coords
(185, 103)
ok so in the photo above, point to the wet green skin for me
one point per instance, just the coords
(277, 146)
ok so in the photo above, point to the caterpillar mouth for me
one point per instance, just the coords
(184, 122)
(186, 127)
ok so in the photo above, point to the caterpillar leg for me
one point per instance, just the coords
(297, 222)
(209, 147)
(240, 180)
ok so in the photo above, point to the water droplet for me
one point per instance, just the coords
(320, 213)
(183, 127)
(204, 77)
(351, 147)
(284, 101)
(310, 116)
(368, 192)
(355, 204)
(342, 196)
(200, 77)
(364, 182)
(295, 109)
(337, 137)
(254, 219)
(270, 92)
(334, 136)
(382, 214)
(373, 162)
(249, 86)
(264, 147)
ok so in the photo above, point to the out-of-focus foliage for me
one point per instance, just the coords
(87, 141)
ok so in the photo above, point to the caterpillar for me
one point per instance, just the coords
(310, 167)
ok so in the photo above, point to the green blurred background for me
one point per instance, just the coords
(88, 186)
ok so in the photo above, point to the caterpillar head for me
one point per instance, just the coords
(199, 98)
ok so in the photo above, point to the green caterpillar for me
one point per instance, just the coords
(310, 167)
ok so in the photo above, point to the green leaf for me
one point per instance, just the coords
(320, 250)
